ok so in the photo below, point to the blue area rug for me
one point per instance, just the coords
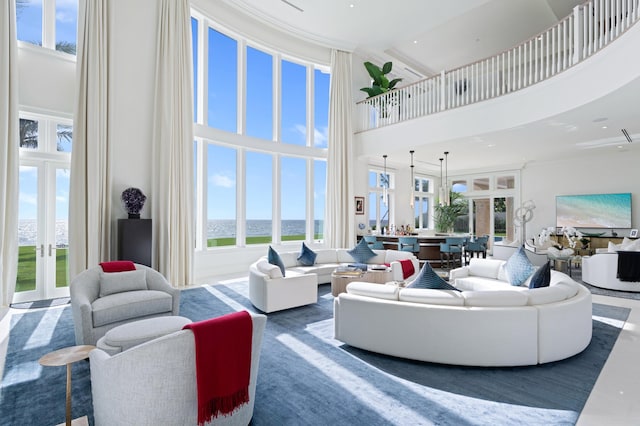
(307, 377)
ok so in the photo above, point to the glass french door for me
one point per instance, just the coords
(42, 231)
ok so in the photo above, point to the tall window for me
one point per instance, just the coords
(259, 197)
(259, 94)
(423, 197)
(43, 209)
(293, 196)
(246, 87)
(48, 23)
(221, 196)
(380, 200)
(222, 82)
(294, 108)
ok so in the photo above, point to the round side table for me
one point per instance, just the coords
(67, 356)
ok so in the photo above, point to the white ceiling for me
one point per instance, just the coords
(424, 37)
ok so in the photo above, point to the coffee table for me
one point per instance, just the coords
(67, 356)
(340, 279)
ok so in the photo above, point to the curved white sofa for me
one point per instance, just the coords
(269, 291)
(488, 323)
(601, 270)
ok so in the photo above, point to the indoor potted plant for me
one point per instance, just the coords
(380, 84)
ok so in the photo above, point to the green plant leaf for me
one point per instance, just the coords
(393, 82)
(386, 68)
(374, 71)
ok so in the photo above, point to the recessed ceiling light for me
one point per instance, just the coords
(352, 5)
(604, 127)
(491, 145)
(619, 147)
(415, 41)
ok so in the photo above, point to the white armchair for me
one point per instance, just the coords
(155, 383)
(95, 312)
(601, 270)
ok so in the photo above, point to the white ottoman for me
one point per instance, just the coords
(134, 333)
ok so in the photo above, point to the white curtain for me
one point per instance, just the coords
(90, 186)
(172, 177)
(9, 143)
(339, 216)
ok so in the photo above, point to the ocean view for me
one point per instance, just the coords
(27, 230)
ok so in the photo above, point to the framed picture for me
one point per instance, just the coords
(359, 205)
(633, 233)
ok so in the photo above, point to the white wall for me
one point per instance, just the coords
(614, 173)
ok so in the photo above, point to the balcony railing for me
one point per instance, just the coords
(591, 27)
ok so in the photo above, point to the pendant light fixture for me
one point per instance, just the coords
(441, 189)
(447, 192)
(385, 182)
(413, 182)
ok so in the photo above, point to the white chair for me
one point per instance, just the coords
(94, 315)
(155, 383)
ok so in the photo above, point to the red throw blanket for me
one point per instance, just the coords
(407, 268)
(223, 363)
(118, 266)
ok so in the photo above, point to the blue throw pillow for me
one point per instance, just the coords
(519, 267)
(274, 258)
(427, 278)
(361, 253)
(307, 256)
(542, 277)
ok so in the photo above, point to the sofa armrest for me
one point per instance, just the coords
(396, 270)
(458, 273)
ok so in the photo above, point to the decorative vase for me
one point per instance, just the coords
(133, 200)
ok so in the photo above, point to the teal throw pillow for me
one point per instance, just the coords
(519, 267)
(542, 277)
(427, 278)
(361, 253)
(307, 256)
(274, 258)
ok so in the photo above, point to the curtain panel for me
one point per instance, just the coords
(90, 184)
(340, 210)
(172, 174)
(9, 146)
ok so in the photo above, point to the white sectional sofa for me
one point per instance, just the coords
(269, 291)
(601, 270)
(488, 323)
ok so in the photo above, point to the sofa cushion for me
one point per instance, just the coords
(544, 295)
(307, 256)
(495, 298)
(481, 284)
(542, 277)
(519, 267)
(361, 252)
(130, 304)
(427, 278)
(431, 296)
(274, 258)
(273, 271)
(379, 291)
(118, 282)
(327, 256)
(486, 268)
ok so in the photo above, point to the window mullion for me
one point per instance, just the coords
(277, 97)
(310, 106)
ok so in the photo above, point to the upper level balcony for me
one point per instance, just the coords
(589, 29)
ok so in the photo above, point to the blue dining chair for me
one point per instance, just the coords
(408, 244)
(373, 243)
(452, 250)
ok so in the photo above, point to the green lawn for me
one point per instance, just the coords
(26, 280)
(231, 241)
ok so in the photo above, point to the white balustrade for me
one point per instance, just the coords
(590, 28)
